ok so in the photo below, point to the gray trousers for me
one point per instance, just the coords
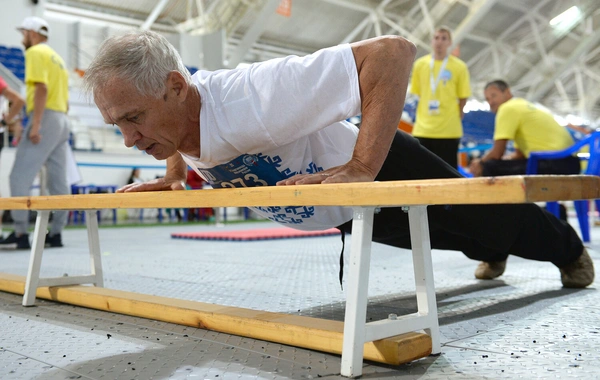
(50, 151)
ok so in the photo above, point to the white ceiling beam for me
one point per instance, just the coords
(407, 34)
(253, 33)
(581, 94)
(375, 20)
(427, 15)
(477, 10)
(352, 35)
(496, 60)
(154, 14)
(188, 9)
(538, 42)
(592, 74)
(522, 8)
(579, 51)
(364, 7)
(439, 10)
(478, 38)
(102, 17)
(563, 93)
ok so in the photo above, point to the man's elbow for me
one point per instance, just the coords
(402, 47)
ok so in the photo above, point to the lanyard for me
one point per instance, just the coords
(435, 83)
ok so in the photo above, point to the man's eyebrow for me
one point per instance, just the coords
(124, 116)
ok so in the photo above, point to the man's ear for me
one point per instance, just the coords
(176, 85)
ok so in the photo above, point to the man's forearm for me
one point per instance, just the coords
(461, 106)
(16, 106)
(383, 67)
(40, 97)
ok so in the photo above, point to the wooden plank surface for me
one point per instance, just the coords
(312, 333)
(487, 190)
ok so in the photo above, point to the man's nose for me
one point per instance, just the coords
(130, 137)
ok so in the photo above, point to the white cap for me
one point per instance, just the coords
(36, 24)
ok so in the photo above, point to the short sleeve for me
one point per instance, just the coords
(464, 84)
(415, 82)
(35, 71)
(507, 122)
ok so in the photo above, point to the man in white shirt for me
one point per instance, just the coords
(282, 122)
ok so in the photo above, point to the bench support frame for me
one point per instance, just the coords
(356, 331)
(34, 281)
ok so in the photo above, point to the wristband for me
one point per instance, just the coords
(3, 122)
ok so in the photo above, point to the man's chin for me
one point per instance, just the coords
(161, 155)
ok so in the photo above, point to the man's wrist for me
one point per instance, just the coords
(3, 122)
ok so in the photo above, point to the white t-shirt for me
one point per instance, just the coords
(276, 119)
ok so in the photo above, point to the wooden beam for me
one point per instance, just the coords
(485, 190)
(312, 333)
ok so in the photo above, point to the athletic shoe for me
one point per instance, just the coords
(490, 270)
(578, 274)
(53, 241)
(17, 242)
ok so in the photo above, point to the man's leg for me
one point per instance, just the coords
(481, 232)
(446, 149)
(494, 168)
(28, 162)
(567, 165)
(56, 166)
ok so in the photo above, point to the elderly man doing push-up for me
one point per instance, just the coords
(282, 122)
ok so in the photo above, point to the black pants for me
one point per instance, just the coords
(567, 165)
(446, 149)
(481, 232)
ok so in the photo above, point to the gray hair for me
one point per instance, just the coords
(143, 58)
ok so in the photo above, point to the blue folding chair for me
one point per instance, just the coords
(593, 168)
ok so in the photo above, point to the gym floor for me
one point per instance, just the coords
(522, 325)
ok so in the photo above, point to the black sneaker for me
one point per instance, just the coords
(53, 241)
(14, 241)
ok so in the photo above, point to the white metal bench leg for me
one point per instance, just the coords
(94, 246)
(357, 292)
(33, 276)
(423, 267)
(35, 259)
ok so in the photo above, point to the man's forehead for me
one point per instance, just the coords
(116, 99)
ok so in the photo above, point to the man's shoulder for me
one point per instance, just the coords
(38, 50)
(515, 103)
(423, 60)
(457, 62)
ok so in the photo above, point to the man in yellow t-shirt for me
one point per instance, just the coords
(532, 130)
(45, 139)
(441, 81)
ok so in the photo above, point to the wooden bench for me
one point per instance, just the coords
(378, 340)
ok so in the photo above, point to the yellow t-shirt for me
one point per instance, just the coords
(44, 65)
(532, 129)
(454, 84)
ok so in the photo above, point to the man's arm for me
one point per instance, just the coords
(496, 153)
(174, 179)
(17, 103)
(40, 97)
(461, 106)
(383, 66)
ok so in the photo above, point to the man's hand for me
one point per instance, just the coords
(158, 184)
(34, 136)
(476, 168)
(353, 171)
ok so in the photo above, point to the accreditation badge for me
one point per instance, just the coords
(434, 107)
